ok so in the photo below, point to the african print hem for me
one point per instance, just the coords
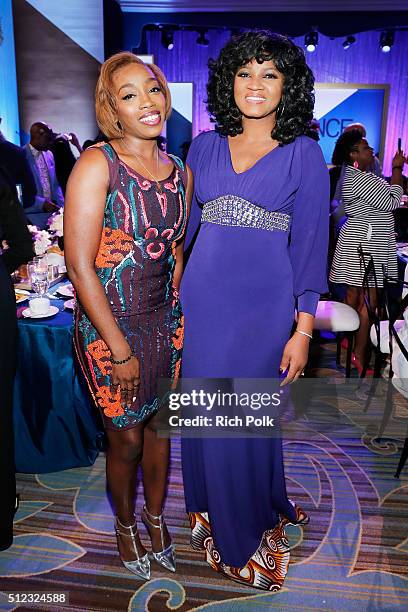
(265, 570)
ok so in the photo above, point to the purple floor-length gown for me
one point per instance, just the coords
(246, 273)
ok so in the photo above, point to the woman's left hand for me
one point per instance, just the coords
(294, 358)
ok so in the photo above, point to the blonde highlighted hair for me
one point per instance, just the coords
(105, 104)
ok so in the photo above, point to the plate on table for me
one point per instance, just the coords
(21, 295)
(69, 304)
(66, 290)
(52, 311)
(54, 259)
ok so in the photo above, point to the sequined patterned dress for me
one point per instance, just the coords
(135, 264)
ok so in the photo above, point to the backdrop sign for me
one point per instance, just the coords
(338, 105)
(179, 128)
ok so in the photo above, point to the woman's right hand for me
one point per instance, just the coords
(126, 377)
(399, 159)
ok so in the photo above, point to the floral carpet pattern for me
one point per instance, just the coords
(353, 556)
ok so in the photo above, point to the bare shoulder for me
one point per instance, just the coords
(92, 157)
(93, 165)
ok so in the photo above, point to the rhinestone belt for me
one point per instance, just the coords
(235, 211)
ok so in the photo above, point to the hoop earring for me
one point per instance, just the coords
(355, 165)
(119, 126)
(280, 110)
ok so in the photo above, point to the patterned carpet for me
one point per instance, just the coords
(352, 556)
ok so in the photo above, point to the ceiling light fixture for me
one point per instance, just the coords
(167, 39)
(311, 41)
(386, 41)
(350, 40)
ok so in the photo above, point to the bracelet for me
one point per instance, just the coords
(304, 333)
(120, 361)
(397, 167)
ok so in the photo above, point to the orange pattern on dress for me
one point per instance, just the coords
(111, 404)
(178, 338)
(100, 353)
(176, 374)
(113, 247)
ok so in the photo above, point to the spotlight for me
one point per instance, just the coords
(202, 40)
(311, 40)
(386, 41)
(167, 39)
(350, 40)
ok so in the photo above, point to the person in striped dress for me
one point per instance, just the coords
(368, 201)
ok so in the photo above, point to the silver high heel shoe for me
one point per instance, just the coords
(166, 556)
(141, 565)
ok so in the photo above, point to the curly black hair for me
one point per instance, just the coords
(295, 110)
(344, 146)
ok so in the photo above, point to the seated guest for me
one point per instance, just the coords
(49, 196)
(14, 231)
(16, 170)
(368, 202)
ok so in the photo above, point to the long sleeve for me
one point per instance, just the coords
(14, 231)
(375, 191)
(310, 229)
(195, 210)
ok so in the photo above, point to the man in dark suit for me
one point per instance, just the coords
(49, 196)
(16, 168)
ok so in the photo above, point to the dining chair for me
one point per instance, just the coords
(396, 323)
(375, 310)
(340, 319)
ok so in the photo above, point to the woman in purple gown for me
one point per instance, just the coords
(260, 222)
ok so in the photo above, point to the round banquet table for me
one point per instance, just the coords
(55, 425)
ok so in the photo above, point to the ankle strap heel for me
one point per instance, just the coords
(166, 556)
(141, 565)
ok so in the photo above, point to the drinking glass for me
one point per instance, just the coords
(38, 275)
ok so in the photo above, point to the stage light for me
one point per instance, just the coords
(311, 41)
(167, 39)
(350, 40)
(386, 41)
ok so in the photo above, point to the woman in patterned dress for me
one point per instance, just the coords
(125, 218)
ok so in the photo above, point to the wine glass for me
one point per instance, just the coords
(38, 275)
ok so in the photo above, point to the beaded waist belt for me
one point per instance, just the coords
(235, 211)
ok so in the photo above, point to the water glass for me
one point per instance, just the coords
(38, 275)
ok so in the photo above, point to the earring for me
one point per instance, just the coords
(280, 110)
(355, 165)
(119, 125)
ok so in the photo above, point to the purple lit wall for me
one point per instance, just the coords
(364, 62)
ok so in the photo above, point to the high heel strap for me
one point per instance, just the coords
(166, 556)
(130, 527)
(159, 518)
(150, 516)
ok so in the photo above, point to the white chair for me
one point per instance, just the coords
(341, 320)
(385, 335)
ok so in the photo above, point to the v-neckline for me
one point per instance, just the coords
(253, 165)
